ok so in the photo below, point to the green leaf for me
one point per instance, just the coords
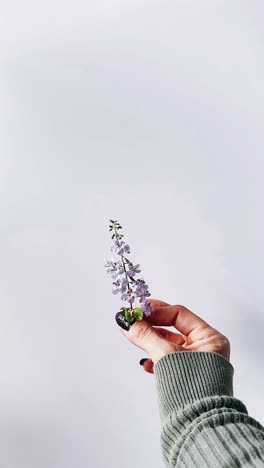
(138, 314)
(128, 315)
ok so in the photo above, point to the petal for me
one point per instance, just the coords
(115, 291)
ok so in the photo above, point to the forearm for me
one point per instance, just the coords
(202, 423)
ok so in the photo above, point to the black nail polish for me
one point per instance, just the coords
(122, 322)
(141, 362)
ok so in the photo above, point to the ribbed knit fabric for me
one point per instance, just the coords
(202, 424)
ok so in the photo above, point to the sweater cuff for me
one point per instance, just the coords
(183, 377)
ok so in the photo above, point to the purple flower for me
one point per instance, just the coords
(120, 247)
(133, 270)
(111, 267)
(117, 285)
(141, 290)
(124, 285)
(148, 311)
(120, 285)
(147, 308)
(128, 296)
(124, 296)
(116, 245)
(120, 268)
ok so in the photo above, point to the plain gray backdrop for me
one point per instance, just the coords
(149, 112)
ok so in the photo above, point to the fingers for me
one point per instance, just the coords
(158, 303)
(175, 338)
(148, 366)
(143, 335)
(178, 316)
(171, 336)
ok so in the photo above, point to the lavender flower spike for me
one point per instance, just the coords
(124, 273)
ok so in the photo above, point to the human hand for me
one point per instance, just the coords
(195, 334)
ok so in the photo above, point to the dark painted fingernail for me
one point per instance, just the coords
(122, 322)
(141, 362)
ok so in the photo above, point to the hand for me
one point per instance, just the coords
(195, 334)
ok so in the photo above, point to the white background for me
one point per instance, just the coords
(149, 112)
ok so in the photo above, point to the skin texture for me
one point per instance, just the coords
(195, 334)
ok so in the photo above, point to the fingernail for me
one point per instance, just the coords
(141, 362)
(122, 322)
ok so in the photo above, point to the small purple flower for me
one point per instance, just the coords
(111, 267)
(142, 298)
(120, 247)
(148, 311)
(147, 308)
(124, 297)
(124, 285)
(133, 270)
(117, 285)
(120, 268)
(117, 246)
(128, 296)
(141, 289)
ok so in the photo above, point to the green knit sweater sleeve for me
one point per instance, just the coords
(202, 424)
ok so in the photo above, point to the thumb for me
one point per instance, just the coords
(145, 337)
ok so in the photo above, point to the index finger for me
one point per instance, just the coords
(158, 303)
(176, 316)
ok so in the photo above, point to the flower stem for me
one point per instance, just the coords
(124, 266)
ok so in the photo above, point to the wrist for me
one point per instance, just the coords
(184, 377)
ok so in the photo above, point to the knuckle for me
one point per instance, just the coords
(180, 306)
(226, 343)
(224, 340)
(223, 346)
